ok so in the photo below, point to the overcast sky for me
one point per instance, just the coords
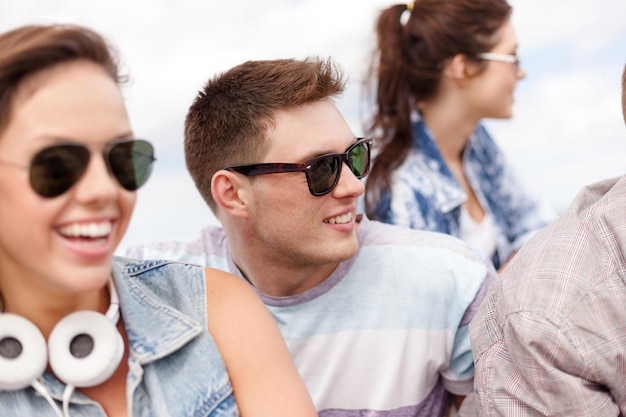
(567, 129)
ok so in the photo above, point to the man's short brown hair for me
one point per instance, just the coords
(228, 120)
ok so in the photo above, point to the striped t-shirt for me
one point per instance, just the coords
(386, 334)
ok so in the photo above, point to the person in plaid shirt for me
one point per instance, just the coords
(549, 338)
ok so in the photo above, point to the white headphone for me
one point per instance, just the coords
(84, 349)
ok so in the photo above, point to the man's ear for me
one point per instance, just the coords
(230, 192)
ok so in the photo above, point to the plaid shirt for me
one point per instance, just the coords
(550, 338)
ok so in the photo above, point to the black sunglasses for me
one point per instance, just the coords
(55, 169)
(322, 172)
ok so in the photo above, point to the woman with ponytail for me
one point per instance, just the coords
(440, 67)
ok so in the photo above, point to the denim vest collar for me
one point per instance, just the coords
(154, 329)
(449, 193)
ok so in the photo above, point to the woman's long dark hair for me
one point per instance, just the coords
(407, 65)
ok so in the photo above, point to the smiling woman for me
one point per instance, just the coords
(74, 324)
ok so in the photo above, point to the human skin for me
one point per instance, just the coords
(292, 240)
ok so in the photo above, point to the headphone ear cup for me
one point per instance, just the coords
(23, 352)
(85, 349)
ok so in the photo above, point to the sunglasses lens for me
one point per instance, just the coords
(359, 160)
(324, 174)
(131, 163)
(56, 169)
(324, 171)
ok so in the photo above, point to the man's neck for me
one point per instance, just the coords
(281, 280)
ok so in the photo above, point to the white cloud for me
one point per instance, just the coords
(572, 23)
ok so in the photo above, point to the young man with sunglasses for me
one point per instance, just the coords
(375, 316)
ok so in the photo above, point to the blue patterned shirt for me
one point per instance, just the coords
(425, 194)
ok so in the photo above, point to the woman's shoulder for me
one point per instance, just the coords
(227, 294)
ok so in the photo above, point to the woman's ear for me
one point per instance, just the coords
(460, 68)
(456, 68)
(230, 192)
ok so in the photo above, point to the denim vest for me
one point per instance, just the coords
(175, 368)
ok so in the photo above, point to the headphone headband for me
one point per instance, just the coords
(113, 312)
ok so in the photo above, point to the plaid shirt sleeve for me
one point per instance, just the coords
(550, 337)
(545, 365)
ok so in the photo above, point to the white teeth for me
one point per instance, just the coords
(345, 218)
(91, 230)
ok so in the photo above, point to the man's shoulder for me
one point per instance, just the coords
(574, 261)
(377, 233)
(210, 243)
(576, 252)
(437, 258)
